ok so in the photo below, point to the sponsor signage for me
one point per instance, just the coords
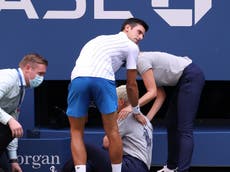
(44, 154)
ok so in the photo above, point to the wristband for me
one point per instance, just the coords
(13, 160)
(136, 109)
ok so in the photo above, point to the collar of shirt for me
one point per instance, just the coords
(123, 34)
(23, 78)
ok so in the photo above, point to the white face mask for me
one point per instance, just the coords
(36, 81)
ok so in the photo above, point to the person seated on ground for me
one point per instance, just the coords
(137, 144)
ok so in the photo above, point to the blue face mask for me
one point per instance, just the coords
(36, 81)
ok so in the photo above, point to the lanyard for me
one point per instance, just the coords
(21, 88)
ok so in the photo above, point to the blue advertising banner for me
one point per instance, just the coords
(48, 152)
(51, 149)
(58, 29)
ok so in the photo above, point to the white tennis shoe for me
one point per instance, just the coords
(165, 169)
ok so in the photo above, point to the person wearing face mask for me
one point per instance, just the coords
(13, 82)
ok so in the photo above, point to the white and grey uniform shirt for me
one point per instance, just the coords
(10, 94)
(137, 139)
(167, 68)
(9, 101)
(104, 55)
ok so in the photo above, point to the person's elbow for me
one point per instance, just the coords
(161, 93)
(152, 93)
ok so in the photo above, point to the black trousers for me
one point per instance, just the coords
(4, 165)
(5, 139)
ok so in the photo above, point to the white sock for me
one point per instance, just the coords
(80, 168)
(116, 167)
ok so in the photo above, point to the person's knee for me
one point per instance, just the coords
(113, 134)
(186, 132)
(110, 126)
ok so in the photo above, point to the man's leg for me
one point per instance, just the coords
(77, 126)
(115, 142)
(4, 165)
(97, 158)
(132, 164)
(5, 137)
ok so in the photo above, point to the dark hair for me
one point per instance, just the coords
(32, 58)
(133, 22)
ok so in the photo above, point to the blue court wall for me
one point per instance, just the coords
(57, 29)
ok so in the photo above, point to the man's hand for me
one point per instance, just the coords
(105, 142)
(15, 128)
(140, 118)
(16, 167)
(124, 112)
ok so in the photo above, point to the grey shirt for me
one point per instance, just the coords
(167, 68)
(137, 139)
